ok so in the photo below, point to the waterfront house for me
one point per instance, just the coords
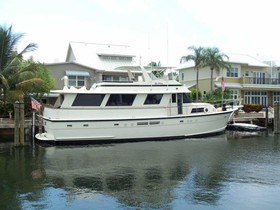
(87, 63)
(249, 79)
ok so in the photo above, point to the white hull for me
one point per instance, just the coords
(135, 129)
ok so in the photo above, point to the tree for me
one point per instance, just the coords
(198, 57)
(215, 60)
(217, 95)
(39, 83)
(192, 94)
(13, 69)
(157, 73)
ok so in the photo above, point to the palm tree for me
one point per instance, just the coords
(198, 57)
(12, 67)
(215, 60)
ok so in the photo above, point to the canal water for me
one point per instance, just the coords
(221, 172)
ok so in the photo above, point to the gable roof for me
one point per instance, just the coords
(233, 58)
(99, 56)
(246, 59)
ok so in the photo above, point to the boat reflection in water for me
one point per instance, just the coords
(209, 173)
(137, 174)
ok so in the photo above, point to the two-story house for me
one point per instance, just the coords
(87, 63)
(249, 80)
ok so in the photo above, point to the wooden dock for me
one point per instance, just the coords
(7, 123)
(7, 129)
(258, 118)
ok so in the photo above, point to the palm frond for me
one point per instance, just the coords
(29, 83)
(29, 48)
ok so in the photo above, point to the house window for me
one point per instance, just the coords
(259, 78)
(276, 97)
(77, 81)
(183, 77)
(255, 97)
(120, 58)
(204, 93)
(234, 93)
(232, 72)
(77, 78)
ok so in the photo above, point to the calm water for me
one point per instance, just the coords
(222, 172)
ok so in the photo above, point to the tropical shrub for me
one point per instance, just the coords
(252, 108)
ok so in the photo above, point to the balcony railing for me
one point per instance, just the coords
(264, 81)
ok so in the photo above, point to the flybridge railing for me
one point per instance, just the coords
(260, 81)
(117, 81)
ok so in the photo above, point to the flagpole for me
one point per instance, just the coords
(223, 89)
(38, 107)
(40, 121)
(222, 98)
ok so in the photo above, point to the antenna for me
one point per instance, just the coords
(167, 44)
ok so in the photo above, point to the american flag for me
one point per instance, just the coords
(223, 84)
(35, 104)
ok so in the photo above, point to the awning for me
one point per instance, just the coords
(76, 73)
(230, 85)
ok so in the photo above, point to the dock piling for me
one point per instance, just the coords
(19, 124)
(276, 117)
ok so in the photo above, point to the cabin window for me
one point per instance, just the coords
(121, 100)
(186, 99)
(197, 110)
(88, 100)
(142, 123)
(153, 99)
(114, 78)
(173, 98)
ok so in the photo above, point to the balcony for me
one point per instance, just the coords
(261, 81)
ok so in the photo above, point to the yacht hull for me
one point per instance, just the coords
(136, 129)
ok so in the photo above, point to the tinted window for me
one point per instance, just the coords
(173, 98)
(186, 99)
(88, 100)
(153, 99)
(121, 100)
(197, 110)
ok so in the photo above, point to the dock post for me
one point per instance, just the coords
(266, 117)
(33, 124)
(276, 118)
(19, 123)
(16, 128)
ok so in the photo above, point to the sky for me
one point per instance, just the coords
(158, 30)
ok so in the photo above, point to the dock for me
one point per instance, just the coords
(7, 123)
(262, 118)
(7, 127)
